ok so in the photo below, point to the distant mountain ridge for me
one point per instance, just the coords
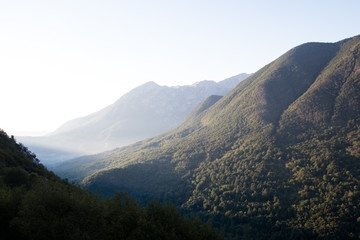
(144, 112)
(167, 102)
(276, 158)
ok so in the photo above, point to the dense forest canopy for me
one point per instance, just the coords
(36, 204)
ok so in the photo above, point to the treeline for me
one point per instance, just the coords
(36, 204)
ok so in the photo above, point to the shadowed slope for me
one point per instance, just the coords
(36, 204)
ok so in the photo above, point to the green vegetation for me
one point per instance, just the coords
(36, 204)
(276, 158)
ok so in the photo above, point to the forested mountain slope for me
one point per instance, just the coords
(276, 157)
(36, 204)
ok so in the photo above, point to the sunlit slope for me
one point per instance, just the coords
(281, 147)
(77, 169)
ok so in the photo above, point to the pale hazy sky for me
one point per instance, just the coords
(68, 58)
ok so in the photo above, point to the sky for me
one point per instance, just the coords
(64, 59)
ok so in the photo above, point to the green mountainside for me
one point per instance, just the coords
(278, 157)
(36, 204)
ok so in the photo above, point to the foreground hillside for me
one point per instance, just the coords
(144, 112)
(277, 157)
(36, 204)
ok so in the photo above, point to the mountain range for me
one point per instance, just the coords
(276, 158)
(144, 112)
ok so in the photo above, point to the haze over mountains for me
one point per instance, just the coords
(144, 112)
(276, 158)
